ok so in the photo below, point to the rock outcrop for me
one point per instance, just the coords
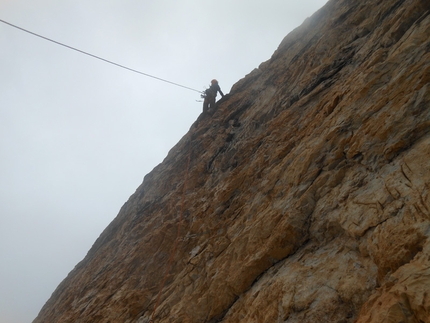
(303, 198)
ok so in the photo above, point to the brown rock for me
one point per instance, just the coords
(306, 198)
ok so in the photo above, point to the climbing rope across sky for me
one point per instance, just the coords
(97, 57)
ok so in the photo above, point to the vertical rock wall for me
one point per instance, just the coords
(307, 196)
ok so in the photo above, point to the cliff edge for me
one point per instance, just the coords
(303, 198)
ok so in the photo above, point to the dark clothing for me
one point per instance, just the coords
(210, 96)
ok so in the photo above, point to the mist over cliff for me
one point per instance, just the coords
(303, 197)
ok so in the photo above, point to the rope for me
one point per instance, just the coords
(97, 57)
(175, 246)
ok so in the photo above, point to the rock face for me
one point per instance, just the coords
(305, 197)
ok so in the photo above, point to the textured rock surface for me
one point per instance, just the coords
(307, 196)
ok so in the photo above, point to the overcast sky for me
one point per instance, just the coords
(77, 135)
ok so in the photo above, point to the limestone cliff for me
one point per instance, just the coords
(305, 198)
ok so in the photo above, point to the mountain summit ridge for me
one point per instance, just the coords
(307, 191)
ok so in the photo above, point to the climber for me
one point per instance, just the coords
(210, 96)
